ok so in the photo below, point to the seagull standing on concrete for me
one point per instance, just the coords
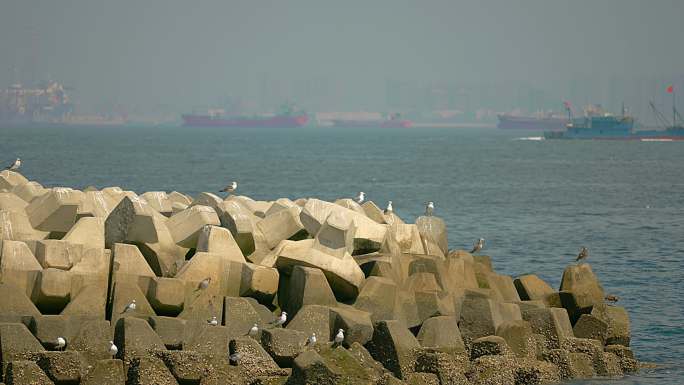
(204, 284)
(281, 320)
(429, 209)
(612, 298)
(130, 307)
(312, 340)
(14, 166)
(230, 188)
(235, 358)
(478, 246)
(339, 337)
(213, 321)
(360, 198)
(389, 208)
(113, 349)
(61, 343)
(253, 331)
(583, 254)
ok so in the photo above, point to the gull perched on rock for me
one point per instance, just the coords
(61, 343)
(360, 198)
(583, 254)
(130, 307)
(429, 209)
(230, 188)
(253, 331)
(281, 320)
(389, 208)
(339, 337)
(235, 358)
(478, 246)
(14, 166)
(213, 321)
(612, 298)
(113, 349)
(311, 340)
(204, 284)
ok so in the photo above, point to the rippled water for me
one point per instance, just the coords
(536, 202)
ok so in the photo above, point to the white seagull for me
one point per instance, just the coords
(213, 321)
(204, 284)
(14, 166)
(478, 246)
(360, 198)
(339, 337)
(311, 340)
(389, 208)
(282, 319)
(130, 307)
(253, 331)
(113, 349)
(429, 209)
(235, 358)
(61, 343)
(230, 188)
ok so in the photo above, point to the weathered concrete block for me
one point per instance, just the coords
(408, 238)
(530, 287)
(16, 256)
(481, 316)
(489, 346)
(16, 226)
(166, 295)
(493, 370)
(61, 367)
(518, 336)
(311, 319)
(259, 282)
(91, 339)
(255, 361)
(95, 204)
(29, 191)
(581, 281)
(241, 316)
(357, 324)
(433, 234)
(55, 210)
(16, 344)
(159, 201)
(207, 339)
(10, 179)
(11, 202)
(373, 212)
(442, 333)
(149, 370)
(26, 373)
(129, 261)
(377, 297)
(218, 240)
(135, 338)
(305, 286)
(504, 286)
(530, 371)
(13, 301)
(171, 330)
(283, 345)
(53, 291)
(394, 347)
(285, 224)
(58, 254)
(619, 330)
(89, 232)
(105, 372)
(552, 323)
(589, 326)
(131, 220)
(186, 226)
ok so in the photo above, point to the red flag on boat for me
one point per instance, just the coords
(670, 89)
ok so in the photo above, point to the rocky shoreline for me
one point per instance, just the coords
(110, 287)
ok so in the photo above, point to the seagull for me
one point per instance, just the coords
(478, 246)
(235, 358)
(14, 166)
(429, 208)
(583, 254)
(612, 298)
(130, 307)
(339, 337)
(281, 320)
(213, 321)
(389, 208)
(253, 331)
(204, 284)
(113, 349)
(230, 188)
(311, 340)
(360, 198)
(61, 343)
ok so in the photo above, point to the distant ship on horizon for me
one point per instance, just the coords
(288, 118)
(394, 121)
(542, 122)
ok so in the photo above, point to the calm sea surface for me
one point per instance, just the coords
(535, 202)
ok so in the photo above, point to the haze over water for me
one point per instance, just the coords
(535, 202)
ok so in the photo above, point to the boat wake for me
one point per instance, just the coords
(534, 138)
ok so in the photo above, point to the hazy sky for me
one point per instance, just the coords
(185, 54)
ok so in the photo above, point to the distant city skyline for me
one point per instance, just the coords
(172, 56)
